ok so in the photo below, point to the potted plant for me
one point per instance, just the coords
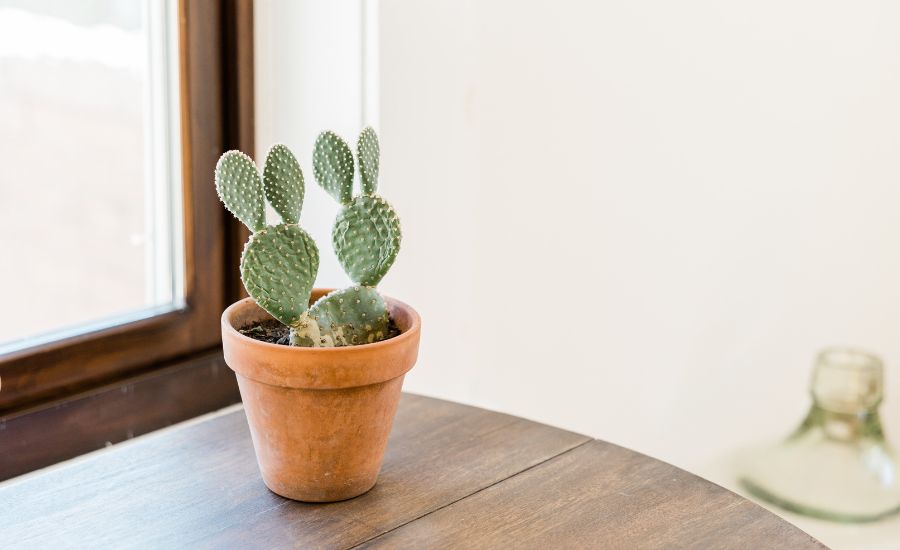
(319, 371)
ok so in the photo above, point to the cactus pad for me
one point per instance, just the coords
(283, 183)
(367, 153)
(333, 166)
(346, 317)
(278, 267)
(366, 238)
(240, 189)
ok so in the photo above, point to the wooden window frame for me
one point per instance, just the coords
(102, 369)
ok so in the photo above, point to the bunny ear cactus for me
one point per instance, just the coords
(368, 153)
(366, 239)
(240, 189)
(279, 263)
(346, 317)
(283, 183)
(366, 233)
(333, 166)
(278, 268)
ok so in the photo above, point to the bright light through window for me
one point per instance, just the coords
(89, 168)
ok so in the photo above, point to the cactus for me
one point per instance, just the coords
(366, 233)
(278, 268)
(368, 152)
(279, 263)
(333, 166)
(346, 317)
(239, 188)
(283, 183)
(366, 239)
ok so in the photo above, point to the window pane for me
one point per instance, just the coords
(89, 186)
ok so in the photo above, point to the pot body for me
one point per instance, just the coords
(319, 417)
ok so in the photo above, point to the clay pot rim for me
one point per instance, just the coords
(392, 303)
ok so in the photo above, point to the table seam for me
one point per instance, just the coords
(460, 499)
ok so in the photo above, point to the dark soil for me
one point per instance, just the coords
(270, 331)
(273, 332)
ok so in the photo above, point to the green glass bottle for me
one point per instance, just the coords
(837, 464)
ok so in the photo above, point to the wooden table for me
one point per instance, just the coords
(454, 477)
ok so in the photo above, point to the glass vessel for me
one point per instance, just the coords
(837, 464)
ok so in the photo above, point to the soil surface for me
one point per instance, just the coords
(270, 331)
(273, 332)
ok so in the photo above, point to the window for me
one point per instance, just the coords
(90, 222)
(130, 256)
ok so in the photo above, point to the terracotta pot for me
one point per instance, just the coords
(319, 417)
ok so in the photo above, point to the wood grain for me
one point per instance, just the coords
(600, 495)
(200, 486)
(454, 476)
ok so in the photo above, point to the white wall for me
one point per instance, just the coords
(309, 66)
(639, 220)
